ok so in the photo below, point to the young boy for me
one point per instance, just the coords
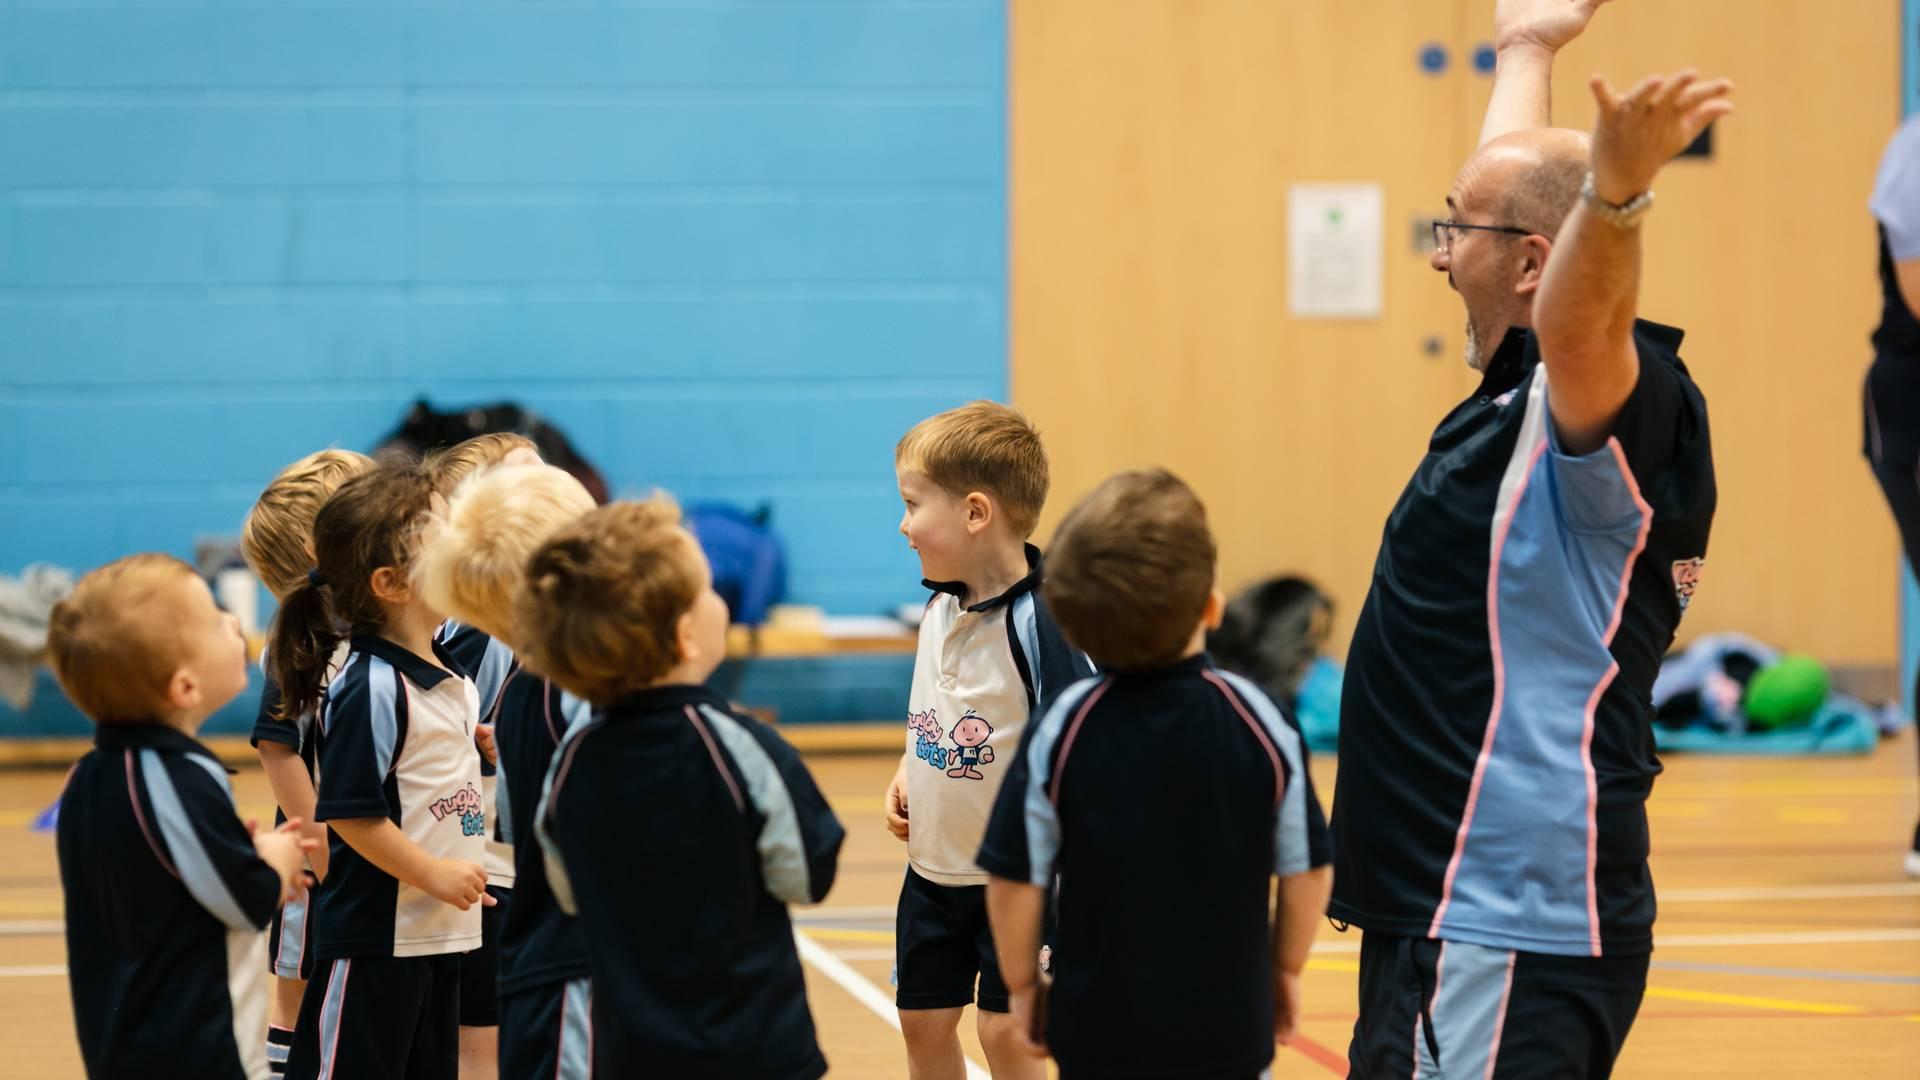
(277, 540)
(974, 480)
(677, 829)
(166, 891)
(1166, 794)
(489, 662)
(472, 566)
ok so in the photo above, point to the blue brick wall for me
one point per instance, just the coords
(734, 248)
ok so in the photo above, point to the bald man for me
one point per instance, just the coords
(1495, 748)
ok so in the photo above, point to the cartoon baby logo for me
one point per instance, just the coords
(970, 735)
(1686, 579)
(927, 734)
(466, 804)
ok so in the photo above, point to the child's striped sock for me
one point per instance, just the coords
(279, 1045)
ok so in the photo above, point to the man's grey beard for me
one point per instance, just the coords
(1476, 356)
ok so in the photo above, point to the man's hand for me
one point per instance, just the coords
(896, 803)
(1638, 132)
(1540, 24)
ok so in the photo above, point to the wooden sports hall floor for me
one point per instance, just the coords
(1788, 941)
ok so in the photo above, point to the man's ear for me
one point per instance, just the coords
(1532, 251)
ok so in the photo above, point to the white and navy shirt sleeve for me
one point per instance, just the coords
(362, 728)
(1896, 192)
(197, 835)
(1048, 665)
(799, 842)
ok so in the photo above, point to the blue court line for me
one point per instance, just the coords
(1789, 973)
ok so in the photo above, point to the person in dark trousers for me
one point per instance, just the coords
(1891, 401)
(1496, 751)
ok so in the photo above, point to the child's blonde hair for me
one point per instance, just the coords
(601, 610)
(114, 642)
(277, 537)
(982, 446)
(473, 562)
(447, 468)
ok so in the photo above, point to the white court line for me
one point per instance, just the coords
(1741, 894)
(1808, 937)
(44, 971)
(31, 927)
(1707, 941)
(856, 984)
(843, 914)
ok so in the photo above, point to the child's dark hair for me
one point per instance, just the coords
(370, 522)
(1272, 632)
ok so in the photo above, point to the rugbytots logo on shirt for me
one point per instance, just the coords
(969, 738)
(466, 804)
(969, 735)
(927, 734)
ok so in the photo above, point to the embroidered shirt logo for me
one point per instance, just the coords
(1506, 399)
(465, 805)
(1686, 578)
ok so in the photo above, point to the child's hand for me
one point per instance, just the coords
(896, 803)
(458, 882)
(284, 849)
(483, 738)
(318, 854)
(1028, 1025)
(986, 755)
(1286, 1006)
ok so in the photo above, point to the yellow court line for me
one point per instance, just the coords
(1333, 965)
(1784, 787)
(13, 819)
(1811, 815)
(1706, 997)
(31, 907)
(849, 935)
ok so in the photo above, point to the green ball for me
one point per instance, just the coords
(1787, 693)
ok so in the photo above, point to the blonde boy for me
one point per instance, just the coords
(974, 481)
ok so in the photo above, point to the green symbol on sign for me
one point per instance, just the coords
(1334, 216)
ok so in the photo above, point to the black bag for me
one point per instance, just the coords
(426, 429)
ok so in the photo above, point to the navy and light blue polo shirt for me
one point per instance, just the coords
(1163, 801)
(397, 742)
(166, 902)
(1496, 750)
(679, 831)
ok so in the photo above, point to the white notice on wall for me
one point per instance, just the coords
(1334, 250)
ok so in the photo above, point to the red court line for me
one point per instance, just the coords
(1318, 1054)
